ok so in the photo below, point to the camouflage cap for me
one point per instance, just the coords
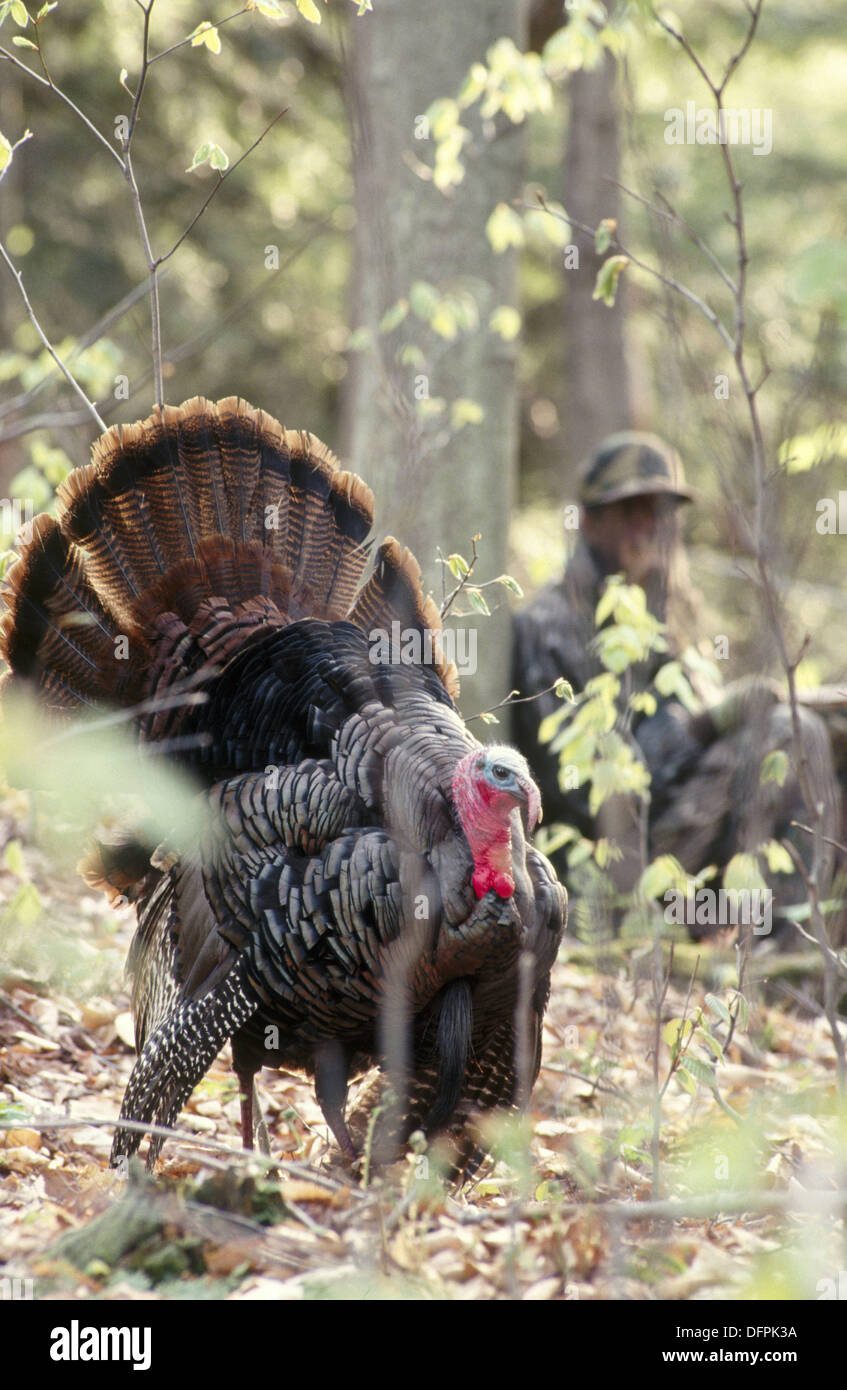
(630, 464)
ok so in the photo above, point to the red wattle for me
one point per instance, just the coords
(484, 814)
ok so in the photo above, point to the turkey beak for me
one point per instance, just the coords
(530, 797)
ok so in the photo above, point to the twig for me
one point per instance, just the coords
(129, 174)
(86, 340)
(670, 213)
(219, 24)
(98, 134)
(69, 376)
(220, 183)
(183, 353)
(807, 829)
(7, 1003)
(676, 285)
(712, 1204)
(660, 990)
(513, 698)
(51, 1122)
(685, 1039)
(463, 582)
(833, 968)
(596, 1083)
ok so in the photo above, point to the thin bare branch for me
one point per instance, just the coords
(220, 183)
(98, 134)
(218, 24)
(680, 289)
(670, 213)
(89, 405)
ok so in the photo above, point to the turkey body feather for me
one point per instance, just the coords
(365, 887)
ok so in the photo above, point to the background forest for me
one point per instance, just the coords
(420, 261)
(272, 293)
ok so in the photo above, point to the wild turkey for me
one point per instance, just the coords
(365, 890)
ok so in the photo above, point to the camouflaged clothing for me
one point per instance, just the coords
(707, 799)
(552, 638)
(632, 464)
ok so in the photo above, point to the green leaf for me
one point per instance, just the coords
(424, 299)
(45, 10)
(774, 767)
(488, 718)
(473, 86)
(686, 1080)
(476, 599)
(604, 234)
(718, 1008)
(359, 340)
(272, 9)
(443, 117)
(509, 583)
(779, 860)
(207, 35)
(665, 872)
(26, 905)
(309, 11)
(743, 1012)
(504, 228)
(201, 155)
(506, 321)
(20, 15)
(607, 600)
(806, 451)
(581, 851)
(554, 838)
(393, 317)
(704, 1036)
(606, 287)
(676, 1033)
(458, 566)
(742, 872)
(5, 152)
(643, 702)
(428, 407)
(551, 723)
(20, 42)
(703, 1071)
(465, 412)
(563, 689)
(671, 680)
(209, 153)
(411, 355)
(13, 859)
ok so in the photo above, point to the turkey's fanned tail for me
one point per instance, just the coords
(187, 535)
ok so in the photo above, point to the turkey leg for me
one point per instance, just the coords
(246, 1088)
(331, 1065)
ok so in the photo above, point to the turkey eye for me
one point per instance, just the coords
(501, 773)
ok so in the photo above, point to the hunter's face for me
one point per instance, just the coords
(634, 536)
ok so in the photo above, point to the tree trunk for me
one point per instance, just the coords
(597, 393)
(436, 485)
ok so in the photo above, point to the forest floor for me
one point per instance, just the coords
(742, 1204)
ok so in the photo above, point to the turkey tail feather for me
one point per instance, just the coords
(188, 534)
